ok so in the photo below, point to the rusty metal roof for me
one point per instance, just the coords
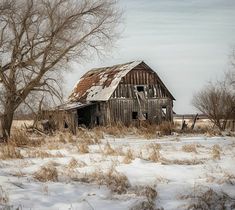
(98, 84)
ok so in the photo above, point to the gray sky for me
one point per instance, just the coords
(187, 42)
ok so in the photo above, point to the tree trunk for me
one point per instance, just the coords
(6, 125)
(7, 120)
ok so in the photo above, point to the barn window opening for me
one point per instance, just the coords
(163, 112)
(145, 115)
(140, 88)
(134, 115)
(97, 121)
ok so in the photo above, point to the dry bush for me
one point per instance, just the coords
(216, 152)
(166, 128)
(9, 151)
(62, 138)
(115, 181)
(19, 138)
(147, 131)
(208, 200)
(73, 163)
(154, 155)
(108, 150)
(149, 204)
(83, 147)
(154, 146)
(42, 154)
(128, 157)
(46, 173)
(4, 197)
(189, 148)
(165, 161)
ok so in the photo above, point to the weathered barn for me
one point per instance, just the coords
(126, 93)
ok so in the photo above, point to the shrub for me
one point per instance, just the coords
(8, 151)
(166, 128)
(83, 147)
(216, 152)
(210, 199)
(189, 148)
(46, 173)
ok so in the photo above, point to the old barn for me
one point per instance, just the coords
(126, 93)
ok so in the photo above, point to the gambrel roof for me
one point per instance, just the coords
(99, 84)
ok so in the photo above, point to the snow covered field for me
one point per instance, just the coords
(177, 167)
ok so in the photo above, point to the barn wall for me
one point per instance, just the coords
(121, 110)
(125, 100)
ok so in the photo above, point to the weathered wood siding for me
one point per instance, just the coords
(124, 102)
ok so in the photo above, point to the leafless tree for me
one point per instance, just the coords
(38, 38)
(217, 101)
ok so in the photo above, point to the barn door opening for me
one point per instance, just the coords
(84, 116)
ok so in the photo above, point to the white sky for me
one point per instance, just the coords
(187, 42)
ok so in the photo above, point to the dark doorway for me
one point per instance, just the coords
(84, 116)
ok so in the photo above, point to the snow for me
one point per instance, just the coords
(172, 181)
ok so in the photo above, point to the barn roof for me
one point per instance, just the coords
(98, 84)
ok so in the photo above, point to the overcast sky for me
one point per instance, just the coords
(187, 42)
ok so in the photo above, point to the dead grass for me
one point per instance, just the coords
(208, 200)
(128, 157)
(73, 163)
(4, 197)
(83, 147)
(20, 138)
(108, 150)
(9, 151)
(166, 128)
(115, 181)
(150, 194)
(46, 173)
(42, 154)
(189, 148)
(215, 152)
(195, 161)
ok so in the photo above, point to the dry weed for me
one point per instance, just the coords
(108, 150)
(216, 152)
(46, 173)
(9, 151)
(166, 128)
(42, 154)
(210, 199)
(189, 148)
(154, 155)
(73, 163)
(4, 197)
(128, 157)
(20, 138)
(83, 147)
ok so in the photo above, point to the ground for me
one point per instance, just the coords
(177, 167)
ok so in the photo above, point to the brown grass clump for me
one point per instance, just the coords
(151, 194)
(20, 138)
(165, 161)
(46, 173)
(115, 181)
(42, 154)
(4, 197)
(128, 157)
(154, 156)
(9, 151)
(62, 138)
(83, 147)
(73, 163)
(210, 199)
(216, 152)
(189, 148)
(108, 150)
(166, 128)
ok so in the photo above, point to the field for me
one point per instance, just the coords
(110, 169)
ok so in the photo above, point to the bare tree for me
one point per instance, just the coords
(217, 101)
(38, 38)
